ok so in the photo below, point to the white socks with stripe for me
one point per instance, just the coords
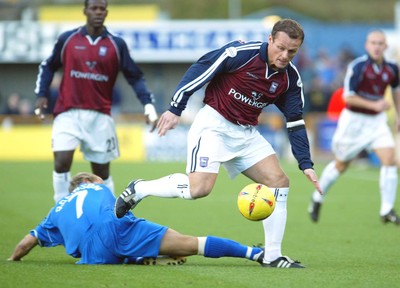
(274, 226)
(109, 182)
(171, 186)
(327, 179)
(61, 184)
(388, 187)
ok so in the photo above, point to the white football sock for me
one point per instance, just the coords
(171, 186)
(274, 225)
(328, 177)
(388, 188)
(61, 184)
(109, 182)
(201, 245)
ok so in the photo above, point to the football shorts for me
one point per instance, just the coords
(356, 132)
(214, 141)
(93, 131)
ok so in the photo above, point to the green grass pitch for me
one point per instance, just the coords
(349, 247)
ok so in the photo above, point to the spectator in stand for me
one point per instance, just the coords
(12, 105)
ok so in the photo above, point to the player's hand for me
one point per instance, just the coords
(151, 116)
(312, 176)
(40, 106)
(168, 121)
(381, 105)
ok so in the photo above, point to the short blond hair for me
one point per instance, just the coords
(80, 178)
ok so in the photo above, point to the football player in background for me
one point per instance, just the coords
(242, 79)
(91, 58)
(362, 125)
(85, 224)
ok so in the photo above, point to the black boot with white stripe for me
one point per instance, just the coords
(127, 200)
(282, 262)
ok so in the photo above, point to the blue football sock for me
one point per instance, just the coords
(221, 247)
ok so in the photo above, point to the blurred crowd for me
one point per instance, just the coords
(322, 76)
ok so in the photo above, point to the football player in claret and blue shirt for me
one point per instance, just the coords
(242, 78)
(91, 58)
(362, 125)
(84, 222)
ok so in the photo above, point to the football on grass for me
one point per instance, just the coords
(256, 202)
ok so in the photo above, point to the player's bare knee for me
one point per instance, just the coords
(278, 181)
(199, 192)
(341, 167)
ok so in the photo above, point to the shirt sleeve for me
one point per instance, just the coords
(133, 74)
(49, 66)
(47, 234)
(291, 105)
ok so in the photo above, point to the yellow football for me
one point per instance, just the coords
(256, 202)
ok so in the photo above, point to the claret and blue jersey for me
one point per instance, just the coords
(241, 84)
(91, 66)
(369, 80)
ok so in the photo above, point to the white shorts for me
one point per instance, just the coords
(357, 131)
(213, 140)
(92, 130)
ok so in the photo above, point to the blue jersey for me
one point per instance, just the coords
(90, 69)
(369, 80)
(241, 84)
(84, 222)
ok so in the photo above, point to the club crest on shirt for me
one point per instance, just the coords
(273, 87)
(256, 95)
(203, 161)
(91, 64)
(102, 51)
(385, 77)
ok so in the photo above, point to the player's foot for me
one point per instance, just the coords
(164, 260)
(259, 257)
(313, 209)
(127, 200)
(160, 260)
(282, 262)
(391, 217)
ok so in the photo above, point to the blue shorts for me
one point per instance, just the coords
(114, 240)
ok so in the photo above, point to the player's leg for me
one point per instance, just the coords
(384, 147)
(203, 163)
(103, 171)
(269, 172)
(352, 135)
(65, 139)
(99, 143)
(328, 177)
(61, 173)
(388, 184)
(176, 185)
(196, 185)
(177, 244)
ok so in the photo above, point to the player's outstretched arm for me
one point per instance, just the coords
(23, 247)
(167, 121)
(312, 176)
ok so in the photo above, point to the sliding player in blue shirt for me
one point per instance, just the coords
(84, 222)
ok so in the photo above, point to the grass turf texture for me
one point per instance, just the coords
(349, 247)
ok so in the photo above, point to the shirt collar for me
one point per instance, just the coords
(84, 32)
